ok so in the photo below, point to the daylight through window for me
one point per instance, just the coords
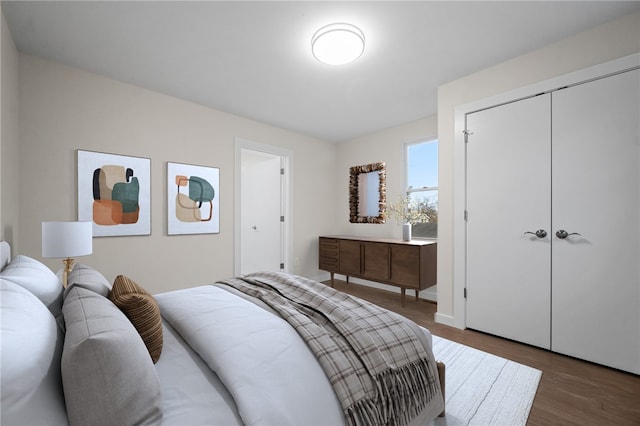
(422, 185)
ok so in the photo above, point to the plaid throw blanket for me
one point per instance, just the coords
(378, 367)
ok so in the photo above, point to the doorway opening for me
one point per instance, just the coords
(262, 207)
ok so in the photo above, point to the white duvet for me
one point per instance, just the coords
(264, 364)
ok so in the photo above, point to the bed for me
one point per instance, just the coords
(251, 350)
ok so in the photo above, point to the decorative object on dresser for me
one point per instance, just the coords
(405, 264)
(367, 193)
(64, 240)
(409, 211)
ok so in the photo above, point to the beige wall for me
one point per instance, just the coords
(387, 146)
(63, 109)
(9, 142)
(606, 42)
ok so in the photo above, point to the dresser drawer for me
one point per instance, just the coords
(328, 254)
(329, 243)
(329, 251)
(329, 248)
(328, 264)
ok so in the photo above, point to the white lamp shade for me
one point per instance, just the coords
(67, 239)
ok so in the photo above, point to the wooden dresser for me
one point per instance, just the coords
(405, 264)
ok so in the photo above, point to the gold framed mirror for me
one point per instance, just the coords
(367, 193)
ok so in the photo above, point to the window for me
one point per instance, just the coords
(422, 184)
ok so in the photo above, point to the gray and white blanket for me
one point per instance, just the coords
(379, 363)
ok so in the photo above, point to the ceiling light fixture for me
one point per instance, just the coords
(337, 44)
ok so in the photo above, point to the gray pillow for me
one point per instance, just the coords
(107, 374)
(38, 279)
(31, 390)
(86, 277)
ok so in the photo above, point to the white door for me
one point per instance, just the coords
(261, 209)
(596, 193)
(508, 180)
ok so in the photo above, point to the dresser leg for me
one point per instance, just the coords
(332, 274)
(403, 295)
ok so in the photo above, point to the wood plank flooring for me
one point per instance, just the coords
(571, 392)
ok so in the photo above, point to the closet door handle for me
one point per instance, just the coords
(540, 233)
(562, 234)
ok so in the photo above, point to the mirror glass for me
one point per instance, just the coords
(367, 193)
(368, 184)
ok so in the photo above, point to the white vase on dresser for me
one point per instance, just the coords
(406, 231)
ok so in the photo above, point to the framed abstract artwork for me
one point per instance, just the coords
(193, 199)
(114, 192)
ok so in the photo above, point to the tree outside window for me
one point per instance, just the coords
(422, 186)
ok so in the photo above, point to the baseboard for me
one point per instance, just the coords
(321, 277)
(374, 284)
(430, 294)
(445, 319)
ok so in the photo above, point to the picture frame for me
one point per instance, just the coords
(114, 193)
(193, 199)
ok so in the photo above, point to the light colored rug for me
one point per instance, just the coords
(484, 389)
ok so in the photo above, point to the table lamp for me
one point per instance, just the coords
(65, 240)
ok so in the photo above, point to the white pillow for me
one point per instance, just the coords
(30, 352)
(86, 277)
(38, 279)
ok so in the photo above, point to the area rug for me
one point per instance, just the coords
(484, 389)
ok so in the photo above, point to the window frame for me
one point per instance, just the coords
(407, 191)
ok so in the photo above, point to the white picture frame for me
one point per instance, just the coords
(193, 199)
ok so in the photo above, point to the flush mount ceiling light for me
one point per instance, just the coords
(337, 44)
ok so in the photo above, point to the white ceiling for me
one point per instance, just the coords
(253, 59)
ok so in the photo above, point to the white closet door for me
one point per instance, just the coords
(508, 194)
(596, 193)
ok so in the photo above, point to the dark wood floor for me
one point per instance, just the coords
(571, 392)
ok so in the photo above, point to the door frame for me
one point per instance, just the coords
(459, 260)
(286, 188)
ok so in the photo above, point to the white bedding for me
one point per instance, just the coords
(284, 385)
(192, 394)
(227, 359)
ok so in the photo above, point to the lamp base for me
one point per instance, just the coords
(68, 266)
